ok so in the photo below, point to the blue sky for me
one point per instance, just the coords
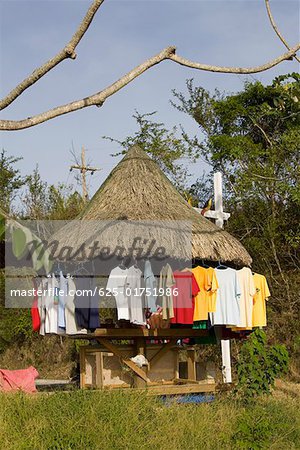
(123, 34)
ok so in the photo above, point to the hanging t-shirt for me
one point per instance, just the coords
(135, 301)
(87, 303)
(211, 289)
(116, 284)
(150, 287)
(41, 304)
(51, 306)
(246, 283)
(184, 291)
(82, 302)
(63, 288)
(35, 315)
(228, 295)
(259, 313)
(205, 301)
(71, 324)
(166, 282)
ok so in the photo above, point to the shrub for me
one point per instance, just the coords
(259, 364)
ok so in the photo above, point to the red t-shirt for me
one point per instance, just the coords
(184, 291)
(35, 315)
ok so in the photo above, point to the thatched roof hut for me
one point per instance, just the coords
(137, 191)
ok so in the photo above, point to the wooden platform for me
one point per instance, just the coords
(108, 364)
(131, 333)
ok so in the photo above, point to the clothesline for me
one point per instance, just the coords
(199, 297)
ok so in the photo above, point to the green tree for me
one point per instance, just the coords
(166, 147)
(253, 138)
(36, 200)
(64, 203)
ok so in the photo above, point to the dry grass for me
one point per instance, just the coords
(54, 357)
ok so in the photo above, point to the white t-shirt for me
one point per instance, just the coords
(136, 309)
(246, 282)
(51, 306)
(71, 325)
(228, 298)
(117, 283)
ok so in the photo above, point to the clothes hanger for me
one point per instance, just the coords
(203, 264)
(253, 273)
(81, 269)
(221, 266)
(186, 269)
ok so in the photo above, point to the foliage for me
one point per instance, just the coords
(39, 201)
(10, 179)
(43, 201)
(65, 204)
(15, 323)
(164, 146)
(253, 138)
(35, 199)
(259, 365)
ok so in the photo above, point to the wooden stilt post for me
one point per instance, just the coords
(191, 366)
(140, 350)
(226, 361)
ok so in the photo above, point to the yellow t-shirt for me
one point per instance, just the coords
(259, 313)
(212, 287)
(205, 300)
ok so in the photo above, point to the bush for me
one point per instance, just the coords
(259, 365)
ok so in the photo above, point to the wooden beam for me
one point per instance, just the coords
(181, 389)
(114, 349)
(191, 365)
(140, 348)
(161, 352)
(185, 381)
(82, 367)
(129, 333)
(99, 370)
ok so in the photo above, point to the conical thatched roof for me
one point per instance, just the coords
(137, 190)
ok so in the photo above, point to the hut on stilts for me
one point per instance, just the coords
(135, 192)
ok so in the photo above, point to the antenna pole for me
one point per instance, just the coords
(84, 169)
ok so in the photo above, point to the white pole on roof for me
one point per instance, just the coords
(225, 345)
(220, 216)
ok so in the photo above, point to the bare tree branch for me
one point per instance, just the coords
(99, 98)
(67, 52)
(275, 28)
(240, 70)
(95, 99)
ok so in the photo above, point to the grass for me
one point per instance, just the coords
(90, 420)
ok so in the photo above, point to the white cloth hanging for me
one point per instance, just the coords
(116, 285)
(150, 287)
(51, 306)
(135, 301)
(228, 298)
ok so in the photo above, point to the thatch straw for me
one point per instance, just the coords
(137, 190)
